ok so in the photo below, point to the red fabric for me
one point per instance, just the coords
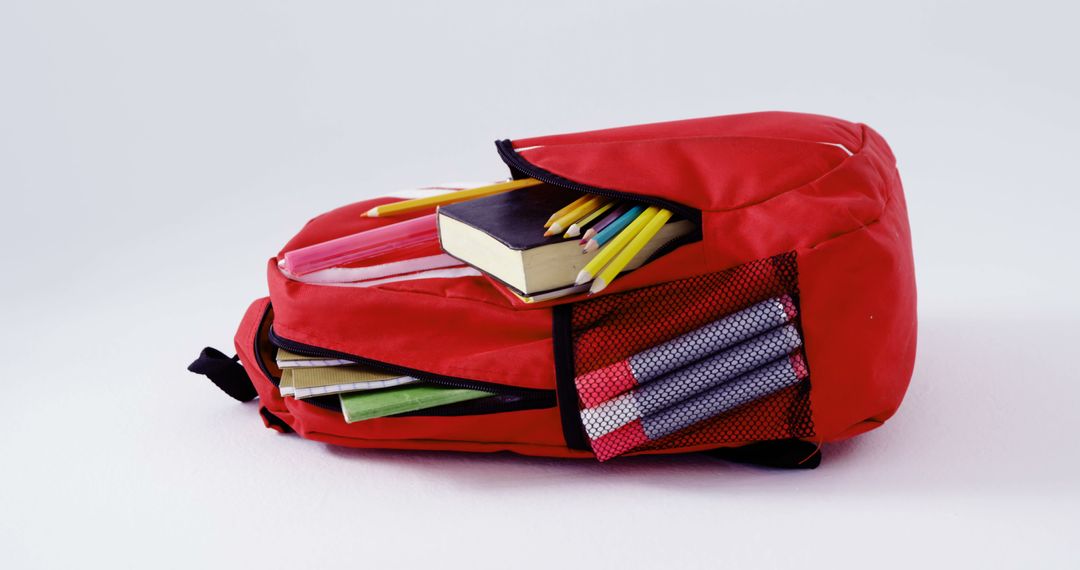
(766, 183)
(844, 215)
(529, 432)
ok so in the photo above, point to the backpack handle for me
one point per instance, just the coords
(225, 372)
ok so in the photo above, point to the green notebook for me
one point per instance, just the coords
(359, 406)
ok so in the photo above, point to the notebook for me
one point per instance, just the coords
(317, 377)
(359, 406)
(307, 383)
(286, 359)
(503, 236)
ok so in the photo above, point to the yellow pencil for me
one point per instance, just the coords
(575, 228)
(574, 215)
(407, 206)
(566, 209)
(614, 246)
(640, 241)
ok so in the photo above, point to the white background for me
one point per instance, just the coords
(153, 155)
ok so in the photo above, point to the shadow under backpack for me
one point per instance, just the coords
(804, 209)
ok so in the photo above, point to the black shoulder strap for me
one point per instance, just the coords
(227, 373)
(780, 454)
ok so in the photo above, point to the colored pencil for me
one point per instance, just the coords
(408, 206)
(612, 230)
(566, 209)
(575, 228)
(615, 245)
(605, 222)
(612, 270)
(560, 225)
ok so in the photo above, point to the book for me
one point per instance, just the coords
(359, 406)
(549, 295)
(502, 235)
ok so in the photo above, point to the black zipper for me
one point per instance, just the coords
(536, 395)
(520, 168)
(257, 350)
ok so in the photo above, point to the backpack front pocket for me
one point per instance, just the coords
(502, 398)
(710, 360)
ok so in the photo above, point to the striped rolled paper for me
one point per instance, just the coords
(629, 323)
(749, 387)
(605, 383)
(684, 383)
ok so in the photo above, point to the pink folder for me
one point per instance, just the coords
(410, 238)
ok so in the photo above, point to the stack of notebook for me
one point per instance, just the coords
(364, 393)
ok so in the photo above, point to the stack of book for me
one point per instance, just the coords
(364, 393)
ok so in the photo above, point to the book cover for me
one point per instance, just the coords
(516, 219)
(359, 406)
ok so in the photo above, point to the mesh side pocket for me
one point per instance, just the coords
(708, 360)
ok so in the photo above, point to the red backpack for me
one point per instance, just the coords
(802, 208)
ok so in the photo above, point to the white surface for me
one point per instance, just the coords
(153, 155)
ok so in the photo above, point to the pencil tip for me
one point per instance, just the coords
(597, 286)
(372, 213)
(591, 246)
(574, 231)
(582, 278)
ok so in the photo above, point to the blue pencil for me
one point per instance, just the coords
(613, 229)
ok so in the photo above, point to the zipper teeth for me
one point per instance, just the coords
(493, 404)
(299, 348)
(257, 352)
(518, 163)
